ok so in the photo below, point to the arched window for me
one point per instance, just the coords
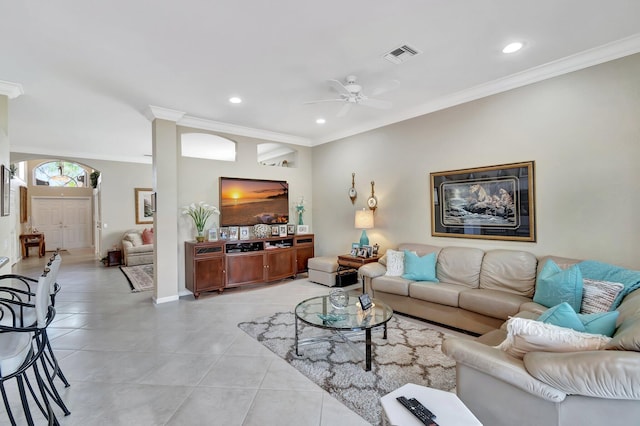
(60, 173)
(276, 154)
(204, 145)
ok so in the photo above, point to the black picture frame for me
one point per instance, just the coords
(365, 301)
(494, 202)
(6, 190)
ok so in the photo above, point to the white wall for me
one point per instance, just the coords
(581, 129)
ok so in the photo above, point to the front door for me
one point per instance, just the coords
(65, 222)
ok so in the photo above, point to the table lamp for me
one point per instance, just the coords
(364, 221)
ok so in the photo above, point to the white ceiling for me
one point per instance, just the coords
(90, 69)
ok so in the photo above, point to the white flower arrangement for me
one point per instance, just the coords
(200, 213)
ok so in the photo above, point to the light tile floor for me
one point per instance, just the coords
(131, 362)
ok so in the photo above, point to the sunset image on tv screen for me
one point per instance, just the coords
(250, 201)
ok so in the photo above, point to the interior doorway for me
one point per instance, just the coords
(65, 221)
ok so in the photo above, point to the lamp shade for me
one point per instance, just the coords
(364, 219)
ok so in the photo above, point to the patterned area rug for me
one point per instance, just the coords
(411, 354)
(140, 277)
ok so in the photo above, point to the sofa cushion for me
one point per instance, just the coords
(598, 296)
(600, 374)
(441, 293)
(134, 238)
(555, 285)
(395, 263)
(509, 270)
(525, 335)
(392, 285)
(492, 303)
(419, 268)
(460, 265)
(420, 249)
(145, 248)
(600, 322)
(627, 337)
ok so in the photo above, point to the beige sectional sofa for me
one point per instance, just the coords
(134, 251)
(478, 292)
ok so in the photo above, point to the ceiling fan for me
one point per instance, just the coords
(351, 94)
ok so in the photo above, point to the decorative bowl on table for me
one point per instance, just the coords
(339, 298)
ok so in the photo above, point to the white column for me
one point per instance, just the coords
(166, 151)
(7, 91)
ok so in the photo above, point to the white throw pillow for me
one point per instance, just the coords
(598, 296)
(527, 335)
(395, 263)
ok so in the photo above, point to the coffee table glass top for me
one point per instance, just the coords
(319, 312)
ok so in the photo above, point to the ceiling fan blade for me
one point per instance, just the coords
(388, 86)
(375, 103)
(325, 100)
(344, 110)
(339, 87)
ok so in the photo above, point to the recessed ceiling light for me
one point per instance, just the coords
(235, 100)
(321, 121)
(512, 47)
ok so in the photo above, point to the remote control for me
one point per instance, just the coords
(417, 409)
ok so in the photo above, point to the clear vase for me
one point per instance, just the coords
(200, 236)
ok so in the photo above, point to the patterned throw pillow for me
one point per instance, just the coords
(395, 263)
(598, 296)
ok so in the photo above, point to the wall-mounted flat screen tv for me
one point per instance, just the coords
(245, 202)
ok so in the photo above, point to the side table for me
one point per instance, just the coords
(114, 257)
(356, 262)
(447, 407)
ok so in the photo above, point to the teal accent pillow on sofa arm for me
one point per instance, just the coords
(563, 315)
(418, 268)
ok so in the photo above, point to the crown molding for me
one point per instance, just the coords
(11, 90)
(598, 55)
(233, 129)
(161, 113)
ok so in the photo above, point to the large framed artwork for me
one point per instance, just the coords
(144, 205)
(495, 202)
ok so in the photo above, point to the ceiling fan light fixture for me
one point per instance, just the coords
(235, 100)
(512, 47)
(320, 120)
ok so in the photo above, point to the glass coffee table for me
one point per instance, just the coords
(342, 322)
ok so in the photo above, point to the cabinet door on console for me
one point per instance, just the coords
(245, 268)
(209, 275)
(281, 264)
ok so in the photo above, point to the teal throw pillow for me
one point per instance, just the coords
(555, 285)
(418, 268)
(600, 323)
(563, 315)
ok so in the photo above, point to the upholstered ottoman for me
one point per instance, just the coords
(322, 270)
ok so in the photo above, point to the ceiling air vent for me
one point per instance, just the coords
(401, 54)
